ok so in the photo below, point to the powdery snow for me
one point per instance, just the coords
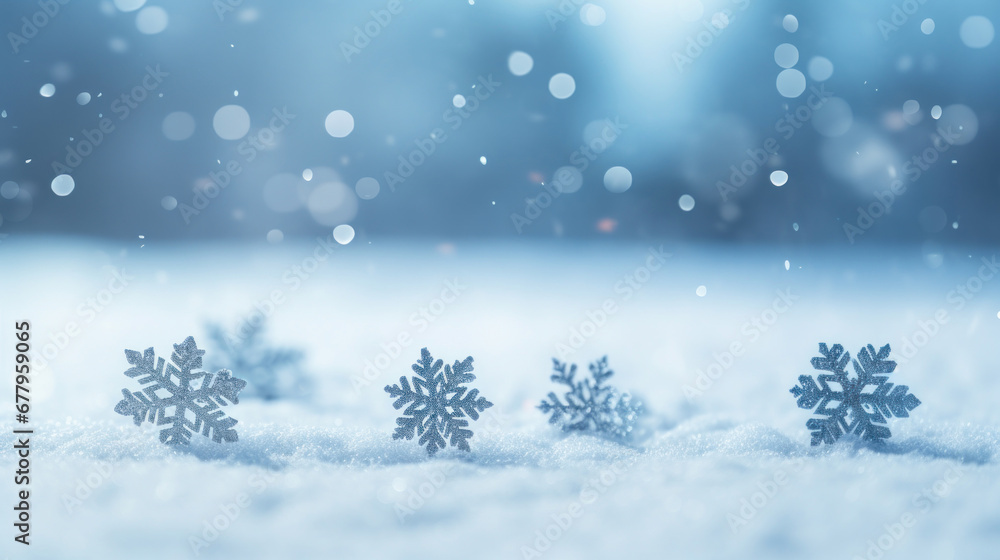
(729, 473)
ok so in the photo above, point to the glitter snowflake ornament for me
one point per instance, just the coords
(857, 405)
(193, 399)
(591, 406)
(437, 404)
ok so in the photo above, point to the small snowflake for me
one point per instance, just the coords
(592, 406)
(195, 406)
(854, 410)
(437, 404)
(271, 372)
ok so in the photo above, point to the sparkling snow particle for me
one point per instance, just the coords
(562, 86)
(178, 126)
(592, 15)
(307, 174)
(520, 63)
(151, 20)
(779, 178)
(791, 83)
(820, 68)
(332, 203)
(168, 203)
(701, 291)
(618, 179)
(9, 190)
(790, 23)
(482, 160)
(795, 226)
(275, 236)
(339, 123)
(63, 184)
(458, 101)
(686, 202)
(343, 234)
(47, 90)
(936, 112)
(786, 55)
(367, 188)
(976, 32)
(567, 179)
(83, 98)
(960, 122)
(927, 26)
(834, 118)
(788, 265)
(231, 122)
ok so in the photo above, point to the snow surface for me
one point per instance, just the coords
(324, 479)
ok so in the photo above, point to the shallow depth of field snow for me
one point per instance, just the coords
(322, 478)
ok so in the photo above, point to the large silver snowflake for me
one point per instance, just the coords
(437, 403)
(864, 402)
(177, 395)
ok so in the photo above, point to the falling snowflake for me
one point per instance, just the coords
(195, 406)
(855, 410)
(437, 404)
(592, 406)
(271, 372)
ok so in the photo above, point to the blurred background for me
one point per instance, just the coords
(739, 121)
